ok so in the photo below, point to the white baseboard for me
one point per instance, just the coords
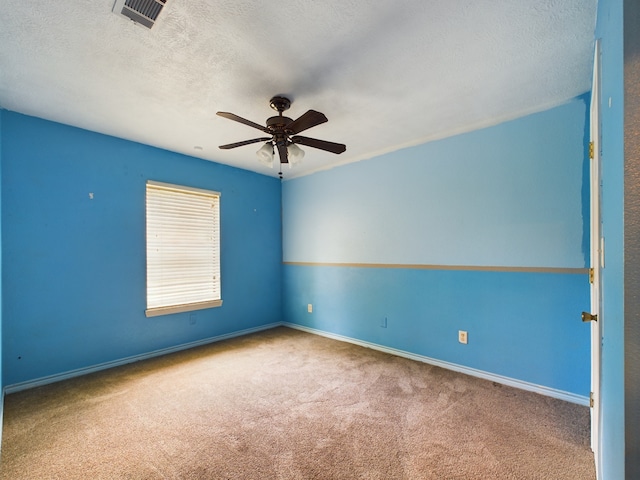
(17, 387)
(2, 391)
(550, 392)
(512, 382)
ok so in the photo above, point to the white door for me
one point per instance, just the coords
(597, 257)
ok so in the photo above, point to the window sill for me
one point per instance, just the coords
(154, 312)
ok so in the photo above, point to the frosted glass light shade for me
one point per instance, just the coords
(296, 154)
(265, 154)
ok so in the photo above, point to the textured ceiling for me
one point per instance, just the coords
(387, 74)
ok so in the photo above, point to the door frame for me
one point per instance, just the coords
(596, 255)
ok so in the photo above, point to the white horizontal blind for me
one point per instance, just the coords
(183, 249)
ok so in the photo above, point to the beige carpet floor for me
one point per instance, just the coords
(284, 404)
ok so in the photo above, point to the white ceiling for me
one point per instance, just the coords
(387, 74)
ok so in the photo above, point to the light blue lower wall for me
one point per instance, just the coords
(74, 266)
(493, 227)
(520, 325)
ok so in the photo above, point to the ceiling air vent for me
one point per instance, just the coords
(142, 12)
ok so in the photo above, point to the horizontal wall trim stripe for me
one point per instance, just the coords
(136, 358)
(511, 382)
(412, 266)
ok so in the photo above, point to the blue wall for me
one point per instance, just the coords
(1, 303)
(511, 195)
(74, 266)
(496, 222)
(610, 30)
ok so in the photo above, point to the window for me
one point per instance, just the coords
(183, 249)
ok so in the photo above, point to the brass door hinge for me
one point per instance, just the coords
(591, 402)
(591, 275)
(591, 150)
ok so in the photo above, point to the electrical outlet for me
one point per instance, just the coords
(193, 318)
(462, 336)
(310, 308)
(383, 322)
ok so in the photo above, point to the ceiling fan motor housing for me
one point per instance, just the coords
(278, 125)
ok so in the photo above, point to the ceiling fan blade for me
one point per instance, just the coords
(233, 116)
(321, 144)
(307, 120)
(282, 150)
(246, 142)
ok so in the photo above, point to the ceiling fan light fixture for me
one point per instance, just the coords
(295, 153)
(265, 154)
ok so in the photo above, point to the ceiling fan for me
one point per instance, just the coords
(284, 136)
